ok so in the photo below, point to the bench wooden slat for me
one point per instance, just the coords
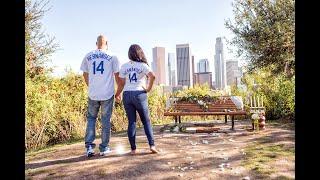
(194, 105)
(214, 107)
(204, 113)
(217, 104)
(201, 110)
(209, 109)
(225, 106)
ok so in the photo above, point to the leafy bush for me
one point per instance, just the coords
(278, 93)
(196, 93)
(281, 99)
(55, 110)
(157, 103)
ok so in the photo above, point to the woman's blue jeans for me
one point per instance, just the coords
(137, 101)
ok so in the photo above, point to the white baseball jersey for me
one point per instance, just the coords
(135, 74)
(101, 68)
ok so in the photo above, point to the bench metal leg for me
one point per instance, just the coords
(232, 122)
(179, 119)
(176, 119)
(225, 119)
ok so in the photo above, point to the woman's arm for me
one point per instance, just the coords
(151, 78)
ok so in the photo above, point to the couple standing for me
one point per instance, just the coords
(99, 71)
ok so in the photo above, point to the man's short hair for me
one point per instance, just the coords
(100, 37)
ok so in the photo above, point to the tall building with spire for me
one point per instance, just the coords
(220, 65)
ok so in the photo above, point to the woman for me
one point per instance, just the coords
(133, 80)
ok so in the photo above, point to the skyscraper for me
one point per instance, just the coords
(220, 65)
(184, 65)
(233, 72)
(192, 66)
(172, 69)
(203, 78)
(203, 65)
(159, 65)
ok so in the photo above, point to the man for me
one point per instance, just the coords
(98, 70)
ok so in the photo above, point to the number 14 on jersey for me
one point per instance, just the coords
(99, 68)
(132, 77)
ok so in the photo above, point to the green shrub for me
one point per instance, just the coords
(278, 93)
(55, 110)
(198, 92)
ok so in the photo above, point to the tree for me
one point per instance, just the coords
(264, 34)
(38, 45)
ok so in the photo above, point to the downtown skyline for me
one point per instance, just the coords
(187, 72)
(160, 24)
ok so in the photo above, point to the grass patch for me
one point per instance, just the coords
(59, 176)
(51, 148)
(101, 172)
(30, 155)
(279, 123)
(33, 172)
(289, 126)
(259, 155)
(284, 178)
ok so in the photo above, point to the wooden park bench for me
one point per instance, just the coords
(223, 106)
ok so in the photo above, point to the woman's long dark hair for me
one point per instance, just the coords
(135, 53)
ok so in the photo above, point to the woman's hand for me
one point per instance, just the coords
(147, 90)
(118, 99)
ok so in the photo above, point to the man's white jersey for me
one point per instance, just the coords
(135, 74)
(101, 68)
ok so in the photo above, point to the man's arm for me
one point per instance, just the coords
(120, 84)
(86, 78)
(117, 78)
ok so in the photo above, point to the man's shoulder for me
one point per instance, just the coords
(110, 56)
(89, 53)
(106, 55)
(92, 51)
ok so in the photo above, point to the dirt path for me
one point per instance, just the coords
(182, 156)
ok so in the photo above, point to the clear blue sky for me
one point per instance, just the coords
(149, 23)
